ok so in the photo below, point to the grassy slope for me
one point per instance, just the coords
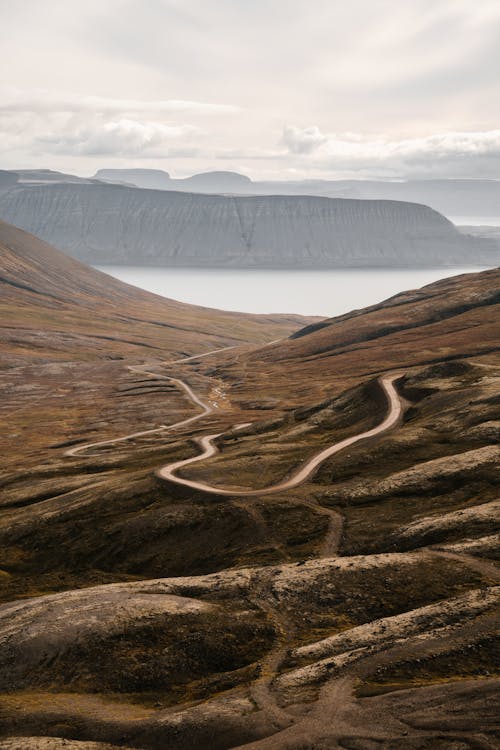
(72, 523)
(453, 318)
(53, 307)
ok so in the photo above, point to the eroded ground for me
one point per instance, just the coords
(356, 611)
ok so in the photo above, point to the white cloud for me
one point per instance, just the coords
(302, 141)
(239, 71)
(117, 137)
(42, 100)
(459, 154)
(45, 123)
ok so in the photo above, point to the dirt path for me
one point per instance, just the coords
(209, 449)
(337, 701)
(261, 689)
(140, 369)
(488, 569)
(335, 714)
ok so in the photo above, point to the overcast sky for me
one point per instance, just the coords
(280, 89)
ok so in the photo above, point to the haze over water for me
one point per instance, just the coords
(316, 292)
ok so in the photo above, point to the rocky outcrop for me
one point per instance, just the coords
(115, 224)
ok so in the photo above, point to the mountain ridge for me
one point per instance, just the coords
(102, 224)
(452, 197)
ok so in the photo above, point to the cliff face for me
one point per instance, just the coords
(115, 224)
(452, 197)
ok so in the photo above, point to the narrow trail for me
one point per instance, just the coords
(209, 449)
(338, 702)
(141, 369)
(331, 543)
(333, 537)
(261, 689)
(488, 569)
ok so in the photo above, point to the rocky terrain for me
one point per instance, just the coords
(101, 224)
(356, 610)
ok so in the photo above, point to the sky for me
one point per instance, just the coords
(275, 89)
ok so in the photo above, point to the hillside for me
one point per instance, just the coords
(114, 224)
(52, 306)
(450, 319)
(353, 609)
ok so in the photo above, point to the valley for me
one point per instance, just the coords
(259, 532)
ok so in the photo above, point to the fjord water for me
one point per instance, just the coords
(315, 292)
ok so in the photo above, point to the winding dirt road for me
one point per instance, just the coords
(140, 369)
(209, 449)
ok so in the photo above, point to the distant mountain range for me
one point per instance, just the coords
(158, 179)
(453, 198)
(104, 223)
(456, 199)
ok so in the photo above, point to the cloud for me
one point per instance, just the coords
(45, 123)
(41, 100)
(240, 71)
(124, 137)
(302, 141)
(454, 154)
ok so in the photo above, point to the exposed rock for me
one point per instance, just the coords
(52, 743)
(489, 431)
(408, 623)
(424, 476)
(112, 224)
(479, 517)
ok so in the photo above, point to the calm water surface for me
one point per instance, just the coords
(476, 221)
(324, 293)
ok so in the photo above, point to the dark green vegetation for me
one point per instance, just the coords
(355, 611)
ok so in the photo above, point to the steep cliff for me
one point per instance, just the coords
(451, 197)
(116, 224)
